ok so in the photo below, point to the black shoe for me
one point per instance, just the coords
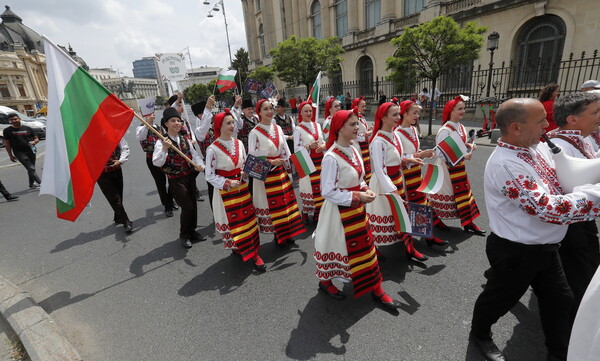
(442, 227)
(423, 257)
(473, 228)
(169, 212)
(392, 306)
(128, 225)
(199, 198)
(435, 241)
(11, 198)
(33, 186)
(197, 237)
(339, 295)
(487, 347)
(291, 241)
(260, 268)
(175, 207)
(236, 253)
(186, 243)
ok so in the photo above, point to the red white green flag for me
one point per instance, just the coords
(453, 148)
(303, 163)
(226, 80)
(432, 178)
(314, 94)
(401, 219)
(85, 124)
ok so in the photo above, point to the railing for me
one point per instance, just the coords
(407, 21)
(458, 5)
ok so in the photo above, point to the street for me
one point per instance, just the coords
(144, 297)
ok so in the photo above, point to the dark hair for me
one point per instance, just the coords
(10, 115)
(510, 112)
(547, 91)
(572, 104)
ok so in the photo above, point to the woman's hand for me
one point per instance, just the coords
(276, 162)
(367, 196)
(427, 153)
(199, 168)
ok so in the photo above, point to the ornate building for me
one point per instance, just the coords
(532, 32)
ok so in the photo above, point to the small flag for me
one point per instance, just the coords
(146, 106)
(226, 80)
(453, 148)
(302, 162)
(315, 92)
(269, 90)
(401, 219)
(432, 178)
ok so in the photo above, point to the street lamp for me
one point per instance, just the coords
(210, 15)
(492, 44)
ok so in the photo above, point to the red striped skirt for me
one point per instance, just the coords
(412, 179)
(366, 157)
(241, 218)
(461, 203)
(313, 201)
(283, 207)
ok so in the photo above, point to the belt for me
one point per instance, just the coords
(548, 247)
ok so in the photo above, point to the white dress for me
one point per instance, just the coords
(302, 139)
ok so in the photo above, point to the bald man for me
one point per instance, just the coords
(529, 216)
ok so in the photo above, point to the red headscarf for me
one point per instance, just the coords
(328, 106)
(357, 100)
(307, 102)
(449, 107)
(381, 112)
(405, 106)
(339, 119)
(218, 122)
(258, 104)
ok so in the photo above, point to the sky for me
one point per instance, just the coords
(110, 33)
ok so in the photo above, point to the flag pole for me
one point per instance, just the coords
(164, 139)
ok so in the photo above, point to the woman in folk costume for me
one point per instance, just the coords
(204, 130)
(232, 204)
(181, 174)
(331, 107)
(308, 134)
(386, 162)
(274, 199)
(411, 146)
(359, 105)
(455, 199)
(343, 246)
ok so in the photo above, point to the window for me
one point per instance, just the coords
(258, 5)
(373, 13)
(341, 18)
(4, 91)
(413, 6)
(541, 43)
(315, 13)
(261, 40)
(21, 89)
(365, 75)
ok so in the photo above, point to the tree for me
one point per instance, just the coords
(262, 74)
(160, 100)
(195, 92)
(297, 61)
(240, 63)
(433, 48)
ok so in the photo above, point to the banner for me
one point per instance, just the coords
(146, 106)
(253, 86)
(269, 90)
(171, 66)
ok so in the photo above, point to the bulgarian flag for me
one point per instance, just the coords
(303, 163)
(315, 91)
(401, 219)
(226, 80)
(85, 124)
(432, 178)
(453, 148)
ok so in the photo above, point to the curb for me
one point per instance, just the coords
(38, 332)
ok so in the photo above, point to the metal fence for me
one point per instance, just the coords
(524, 79)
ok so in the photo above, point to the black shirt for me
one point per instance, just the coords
(19, 138)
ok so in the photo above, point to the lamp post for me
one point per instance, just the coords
(492, 44)
(210, 15)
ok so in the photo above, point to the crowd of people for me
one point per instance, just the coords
(541, 235)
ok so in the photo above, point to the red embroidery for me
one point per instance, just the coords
(395, 142)
(461, 131)
(274, 139)
(345, 157)
(415, 140)
(236, 150)
(315, 135)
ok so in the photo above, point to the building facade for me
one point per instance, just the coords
(132, 88)
(202, 75)
(533, 33)
(147, 67)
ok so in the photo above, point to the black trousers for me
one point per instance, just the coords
(28, 161)
(183, 190)
(580, 257)
(160, 179)
(515, 267)
(111, 185)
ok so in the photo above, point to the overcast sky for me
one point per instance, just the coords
(114, 33)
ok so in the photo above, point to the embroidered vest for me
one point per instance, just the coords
(249, 124)
(148, 143)
(116, 154)
(285, 123)
(176, 166)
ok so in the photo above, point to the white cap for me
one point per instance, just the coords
(591, 84)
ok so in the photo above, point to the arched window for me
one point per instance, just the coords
(261, 40)
(372, 13)
(341, 18)
(413, 6)
(540, 46)
(365, 75)
(315, 13)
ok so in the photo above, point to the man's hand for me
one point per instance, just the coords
(115, 163)
(238, 101)
(12, 158)
(167, 144)
(199, 168)
(210, 102)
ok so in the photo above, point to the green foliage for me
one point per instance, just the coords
(297, 61)
(240, 63)
(212, 89)
(159, 100)
(432, 48)
(262, 74)
(195, 92)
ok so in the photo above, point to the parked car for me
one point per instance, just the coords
(39, 128)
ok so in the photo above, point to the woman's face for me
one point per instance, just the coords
(458, 112)
(335, 106)
(306, 112)
(555, 94)
(266, 111)
(392, 117)
(227, 126)
(412, 114)
(362, 106)
(349, 130)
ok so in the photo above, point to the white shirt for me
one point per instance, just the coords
(330, 176)
(159, 157)
(524, 200)
(141, 132)
(384, 154)
(299, 139)
(574, 136)
(258, 145)
(124, 150)
(212, 163)
(238, 121)
(203, 124)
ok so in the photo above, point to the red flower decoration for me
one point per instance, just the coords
(513, 193)
(563, 207)
(543, 200)
(529, 184)
(529, 210)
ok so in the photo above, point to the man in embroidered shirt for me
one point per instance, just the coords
(577, 116)
(528, 218)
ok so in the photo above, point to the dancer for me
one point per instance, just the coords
(455, 199)
(331, 107)
(233, 211)
(386, 162)
(274, 199)
(308, 134)
(359, 105)
(286, 123)
(181, 175)
(248, 118)
(343, 247)
(411, 146)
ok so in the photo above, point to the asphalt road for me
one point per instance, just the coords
(143, 297)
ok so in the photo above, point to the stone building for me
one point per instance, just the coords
(532, 32)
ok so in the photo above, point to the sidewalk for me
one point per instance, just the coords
(10, 344)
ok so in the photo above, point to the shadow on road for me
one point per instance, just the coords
(168, 251)
(225, 276)
(62, 299)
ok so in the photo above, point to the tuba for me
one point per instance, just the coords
(571, 171)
